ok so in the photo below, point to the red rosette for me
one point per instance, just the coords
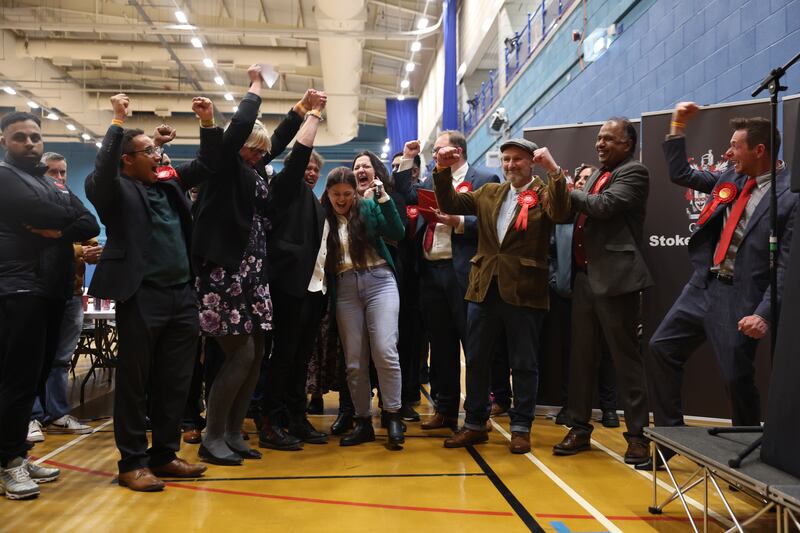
(464, 187)
(526, 200)
(724, 193)
(166, 173)
(412, 212)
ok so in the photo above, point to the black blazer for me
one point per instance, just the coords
(123, 207)
(226, 203)
(613, 230)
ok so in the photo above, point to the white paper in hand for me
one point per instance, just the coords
(269, 74)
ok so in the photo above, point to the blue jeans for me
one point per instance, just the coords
(56, 404)
(367, 309)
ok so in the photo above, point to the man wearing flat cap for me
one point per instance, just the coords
(609, 274)
(507, 293)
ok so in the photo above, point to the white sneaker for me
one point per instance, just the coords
(41, 474)
(16, 482)
(68, 424)
(35, 431)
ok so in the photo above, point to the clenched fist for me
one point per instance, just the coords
(120, 103)
(203, 108)
(164, 134)
(411, 149)
(447, 156)
(541, 156)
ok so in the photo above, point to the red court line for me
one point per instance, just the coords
(295, 498)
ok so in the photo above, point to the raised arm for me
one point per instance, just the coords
(242, 121)
(680, 171)
(102, 185)
(209, 156)
(449, 201)
(290, 125)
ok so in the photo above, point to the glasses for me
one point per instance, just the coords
(150, 150)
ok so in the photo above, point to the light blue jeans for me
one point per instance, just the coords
(56, 404)
(367, 308)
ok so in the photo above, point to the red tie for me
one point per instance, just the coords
(427, 243)
(733, 220)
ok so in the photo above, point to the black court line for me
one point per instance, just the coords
(291, 478)
(504, 491)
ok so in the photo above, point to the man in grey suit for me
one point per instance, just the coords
(609, 275)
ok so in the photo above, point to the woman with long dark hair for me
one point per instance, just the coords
(230, 249)
(366, 300)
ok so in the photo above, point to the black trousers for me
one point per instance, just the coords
(616, 318)
(411, 337)
(296, 324)
(29, 335)
(445, 313)
(158, 333)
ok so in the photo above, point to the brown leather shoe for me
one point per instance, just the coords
(520, 441)
(497, 410)
(573, 443)
(140, 480)
(179, 468)
(638, 452)
(192, 436)
(439, 421)
(466, 437)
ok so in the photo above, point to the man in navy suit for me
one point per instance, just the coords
(727, 299)
(445, 249)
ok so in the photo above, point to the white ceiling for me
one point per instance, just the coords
(72, 55)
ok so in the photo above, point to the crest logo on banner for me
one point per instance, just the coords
(697, 200)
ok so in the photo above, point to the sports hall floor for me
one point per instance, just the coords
(363, 488)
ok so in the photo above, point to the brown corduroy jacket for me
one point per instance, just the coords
(519, 263)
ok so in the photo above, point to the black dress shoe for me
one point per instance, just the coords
(305, 432)
(247, 453)
(396, 428)
(648, 465)
(362, 433)
(274, 437)
(342, 424)
(316, 406)
(408, 413)
(385, 420)
(610, 419)
(234, 459)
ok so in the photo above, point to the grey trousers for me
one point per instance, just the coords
(367, 308)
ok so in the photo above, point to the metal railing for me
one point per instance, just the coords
(519, 49)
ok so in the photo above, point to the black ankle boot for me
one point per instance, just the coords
(362, 433)
(303, 430)
(396, 428)
(316, 406)
(385, 417)
(273, 436)
(342, 424)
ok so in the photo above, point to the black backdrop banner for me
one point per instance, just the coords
(672, 213)
(791, 139)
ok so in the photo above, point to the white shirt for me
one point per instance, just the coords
(507, 210)
(346, 262)
(318, 282)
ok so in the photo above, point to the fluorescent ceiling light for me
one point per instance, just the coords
(229, 97)
(422, 23)
(218, 80)
(416, 46)
(196, 42)
(71, 127)
(52, 116)
(386, 141)
(404, 84)
(208, 63)
(9, 90)
(181, 17)
(86, 136)
(384, 155)
(410, 67)
(235, 108)
(401, 97)
(98, 144)
(32, 104)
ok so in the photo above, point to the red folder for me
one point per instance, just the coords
(427, 204)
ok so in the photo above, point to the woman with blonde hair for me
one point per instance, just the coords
(230, 257)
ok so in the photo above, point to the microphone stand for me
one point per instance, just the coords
(773, 83)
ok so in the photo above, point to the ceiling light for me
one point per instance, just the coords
(71, 127)
(410, 67)
(86, 136)
(404, 84)
(181, 17)
(9, 90)
(52, 116)
(235, 108)
(401, 97)
(196, 42)
(98, 144)
(218, 80)
(229, 97)
(416, 46)
(387, 141)
(32, 104)
(422, 23)
(208, 63)
(384, 155)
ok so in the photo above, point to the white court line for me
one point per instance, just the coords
(664, 485)
(72, 443)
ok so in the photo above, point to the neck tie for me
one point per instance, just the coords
(733, 220)
(427, 242)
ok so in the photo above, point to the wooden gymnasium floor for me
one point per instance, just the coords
(424, 487)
